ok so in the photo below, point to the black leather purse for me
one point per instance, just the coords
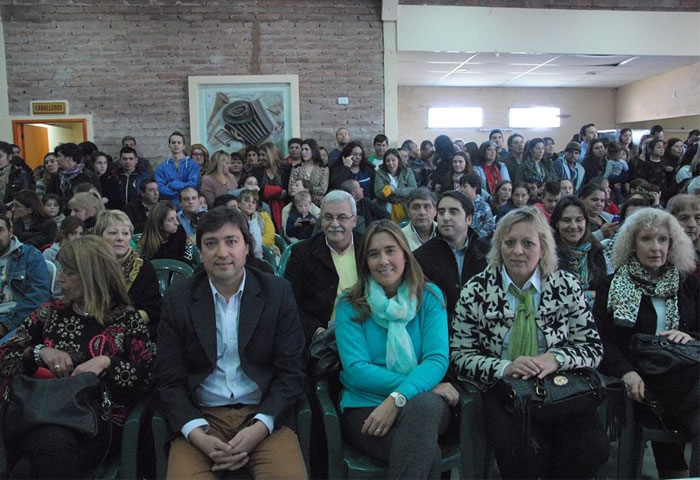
(323, 352)
(655, 355)
(557, 397)
(80, 403)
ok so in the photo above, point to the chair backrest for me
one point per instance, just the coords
(270, 257)
(281, 242)
(53, 271)
(285, 258)
(170, 272)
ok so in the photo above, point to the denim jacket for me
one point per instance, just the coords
(28, 277)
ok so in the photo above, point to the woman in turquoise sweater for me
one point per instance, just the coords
(391, 330)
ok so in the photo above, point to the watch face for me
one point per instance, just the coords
(399, 400)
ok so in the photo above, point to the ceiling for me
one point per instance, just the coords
(488, 69)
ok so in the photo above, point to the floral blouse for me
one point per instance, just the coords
(124, 338)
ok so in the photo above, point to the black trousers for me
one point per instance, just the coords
(56, 452)
(577, 448)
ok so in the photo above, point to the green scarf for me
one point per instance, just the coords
(393, 314)
(523, 334)
(631, 281)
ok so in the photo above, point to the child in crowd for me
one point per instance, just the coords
(616, 170)
(54, 205)
(294, 188)
(301, 222)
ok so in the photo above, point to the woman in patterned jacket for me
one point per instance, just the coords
(521, 317)
(93, 329)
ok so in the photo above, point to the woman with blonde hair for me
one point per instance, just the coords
(522, 317)
(139, 275)
(86, 206)
(218, 180)
(93, 329)
(654, 291)
(273, 179)
(391, 332)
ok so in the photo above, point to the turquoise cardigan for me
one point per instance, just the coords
(362, 348)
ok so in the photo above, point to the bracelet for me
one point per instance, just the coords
(37, 358)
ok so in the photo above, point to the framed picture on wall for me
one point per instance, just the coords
(230, 113)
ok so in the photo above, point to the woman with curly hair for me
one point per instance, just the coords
(654, 291)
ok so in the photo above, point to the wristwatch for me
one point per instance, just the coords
(559, 358)
(399, 399)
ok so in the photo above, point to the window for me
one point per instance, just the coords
(534, 117)
(455, 117)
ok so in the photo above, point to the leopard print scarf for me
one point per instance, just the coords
(631, 281)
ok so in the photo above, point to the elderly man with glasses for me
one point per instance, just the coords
(325, 264)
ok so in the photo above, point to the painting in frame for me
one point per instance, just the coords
(231, 113)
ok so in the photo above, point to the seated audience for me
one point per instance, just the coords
(301, 222)
(54, 206)
(391, 331)
(86, 206)
(521, 317)
(261, 227)
(392, 185)
(653, 291)
(550, 197)
(422, 208)
(33, 224)
(25, 279)
(138, 209)
(367, 209)
(92, 329)
(139, 275)
(483, 222)
(163, 236)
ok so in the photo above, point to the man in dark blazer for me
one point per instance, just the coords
(312, 267)
(456, 253)
(139, 208)
(229, 368)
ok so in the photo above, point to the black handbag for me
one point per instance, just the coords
(557, 397)
(80, 403)
(656, 355)
(324, 354)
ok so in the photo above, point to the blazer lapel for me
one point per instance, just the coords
(204, 318)
(251, 308)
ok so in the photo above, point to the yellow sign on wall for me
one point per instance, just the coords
(59, 107)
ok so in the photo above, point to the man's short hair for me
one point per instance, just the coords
(294, 140)
(421, 193)
(217, 217)
(466, 202)
(127, 150)
(128, 138)
(339, 196)
(69, 150)
(380, 138)
(494, 131)
(656, 129)
(425, 143)
(472, 179)
(585, 127)
(179, 195)
(176, 134)
(142, 187)
(513, 137)
(552, 187)
(349, 185)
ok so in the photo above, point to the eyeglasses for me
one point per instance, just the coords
(328, 218)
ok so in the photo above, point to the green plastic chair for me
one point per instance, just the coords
(270, 257)
(162, 445)
(281, 242)
(285, 258)
(346, 462)
(170, 272)
(636, 431)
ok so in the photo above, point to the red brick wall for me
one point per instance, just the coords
(126, 62)
(640, 5)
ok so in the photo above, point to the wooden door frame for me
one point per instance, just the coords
(17, 122)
